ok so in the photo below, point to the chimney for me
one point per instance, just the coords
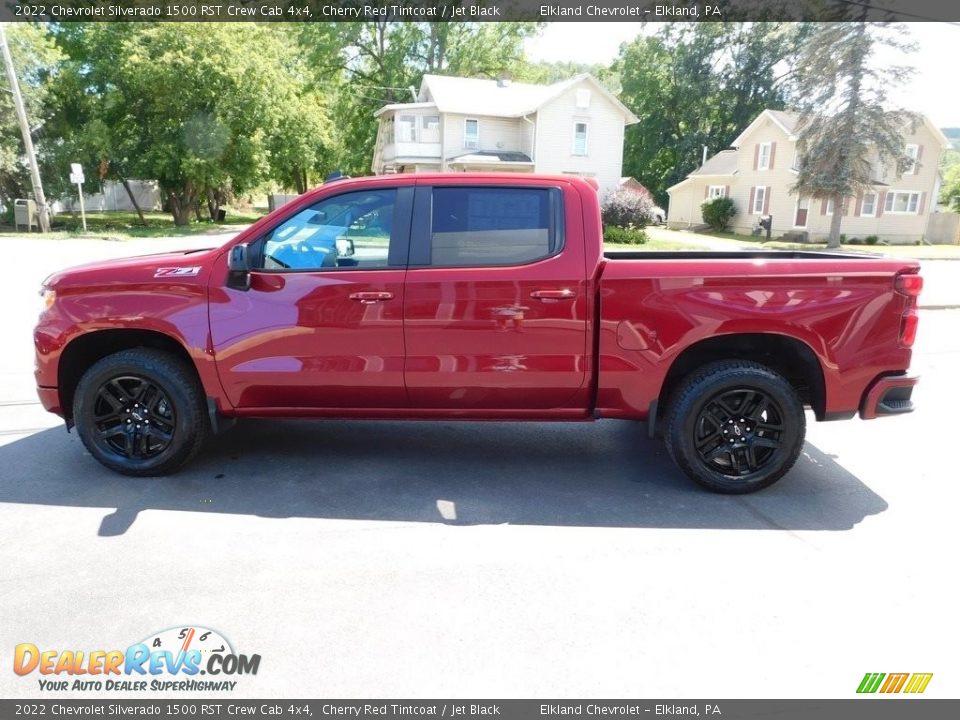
(504, 80)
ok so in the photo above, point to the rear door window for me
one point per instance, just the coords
(476, 226)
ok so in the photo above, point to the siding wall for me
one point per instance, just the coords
(554, 151)
(782, 203)
(496, 133)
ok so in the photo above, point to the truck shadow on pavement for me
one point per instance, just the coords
(602, 474)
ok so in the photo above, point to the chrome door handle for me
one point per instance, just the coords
(369, 298)
(564, 294)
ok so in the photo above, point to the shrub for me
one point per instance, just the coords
(624, 235)
(871, 239)
(625, 208)
(843, 238)
(718, 213)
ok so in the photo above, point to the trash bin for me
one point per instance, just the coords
(25, 213)
(221, 214)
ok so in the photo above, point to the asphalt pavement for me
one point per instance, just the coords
(376, 559)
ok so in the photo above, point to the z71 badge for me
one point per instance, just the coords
(177, 271)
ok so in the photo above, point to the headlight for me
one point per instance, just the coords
(49, 296)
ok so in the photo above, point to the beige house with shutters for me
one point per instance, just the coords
(760, 168)
(574, 127)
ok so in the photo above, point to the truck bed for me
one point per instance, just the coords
(735, 255)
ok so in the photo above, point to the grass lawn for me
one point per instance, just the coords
(736, 241)
(125, 225)
(655, 244)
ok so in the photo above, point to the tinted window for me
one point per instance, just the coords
(493, 226)
(346, 231)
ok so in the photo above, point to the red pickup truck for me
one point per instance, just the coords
(474, 296)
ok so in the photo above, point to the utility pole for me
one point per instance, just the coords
(25, 131)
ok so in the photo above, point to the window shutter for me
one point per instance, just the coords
(756, 156)
(753, 192)
(773, 153)
(859, 208)
(726, 191)
(845, 205)
(916, 167)
(923, 196)
(823, 206)
(766, 201)
(881, 201)
(706, 191)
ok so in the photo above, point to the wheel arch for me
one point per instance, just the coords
(794, 359)
(86, 349)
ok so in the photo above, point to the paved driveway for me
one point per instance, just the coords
(488, 559)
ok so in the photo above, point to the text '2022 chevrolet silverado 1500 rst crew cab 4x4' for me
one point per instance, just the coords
(466, 296)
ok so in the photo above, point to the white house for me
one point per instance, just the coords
(458, 124)
(759, 171)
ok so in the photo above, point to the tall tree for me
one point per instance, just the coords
(36, 58)
(698, 84)
(191, 106)
(845, 130)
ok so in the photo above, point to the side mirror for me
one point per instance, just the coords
(345, 247)
(238, 264)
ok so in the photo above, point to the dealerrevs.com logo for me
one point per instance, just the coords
(170, 660)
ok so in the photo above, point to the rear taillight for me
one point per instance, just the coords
(909, 285)
(908, 328)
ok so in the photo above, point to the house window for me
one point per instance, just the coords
(583, 98)
(829, 206)
(759, 198)
(580, 138)
(902, 203)
(407, 128)
(716, 191)
(430, 125)
(869, 206)
(471, 133)
(763, 160)
(795, 165)
(912, 152)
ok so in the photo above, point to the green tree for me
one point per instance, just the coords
(844, 125)
(698, 84)
(204, 109)
(36, 58)
(950, 190)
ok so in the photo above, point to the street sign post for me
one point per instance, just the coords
(76, 177)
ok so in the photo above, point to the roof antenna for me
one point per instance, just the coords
(413, 92)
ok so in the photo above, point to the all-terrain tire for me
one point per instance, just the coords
(735, 426)
(141, 412)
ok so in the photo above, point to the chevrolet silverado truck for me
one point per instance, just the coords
(474, 296)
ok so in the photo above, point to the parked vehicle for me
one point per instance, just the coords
(462, 296)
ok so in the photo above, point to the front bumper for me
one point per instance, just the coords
(888, 395)
(50, 399)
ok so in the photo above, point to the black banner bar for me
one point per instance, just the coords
(477, 10)
(868, 708)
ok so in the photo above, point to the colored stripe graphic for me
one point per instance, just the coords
(894, 682)
(870, 682)
(918, 683)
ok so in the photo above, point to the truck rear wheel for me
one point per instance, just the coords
(735, 427)
(141, 412)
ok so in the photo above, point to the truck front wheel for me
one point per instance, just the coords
(140, 412)
(735, 427)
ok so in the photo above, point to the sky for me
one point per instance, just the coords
(932, 90)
